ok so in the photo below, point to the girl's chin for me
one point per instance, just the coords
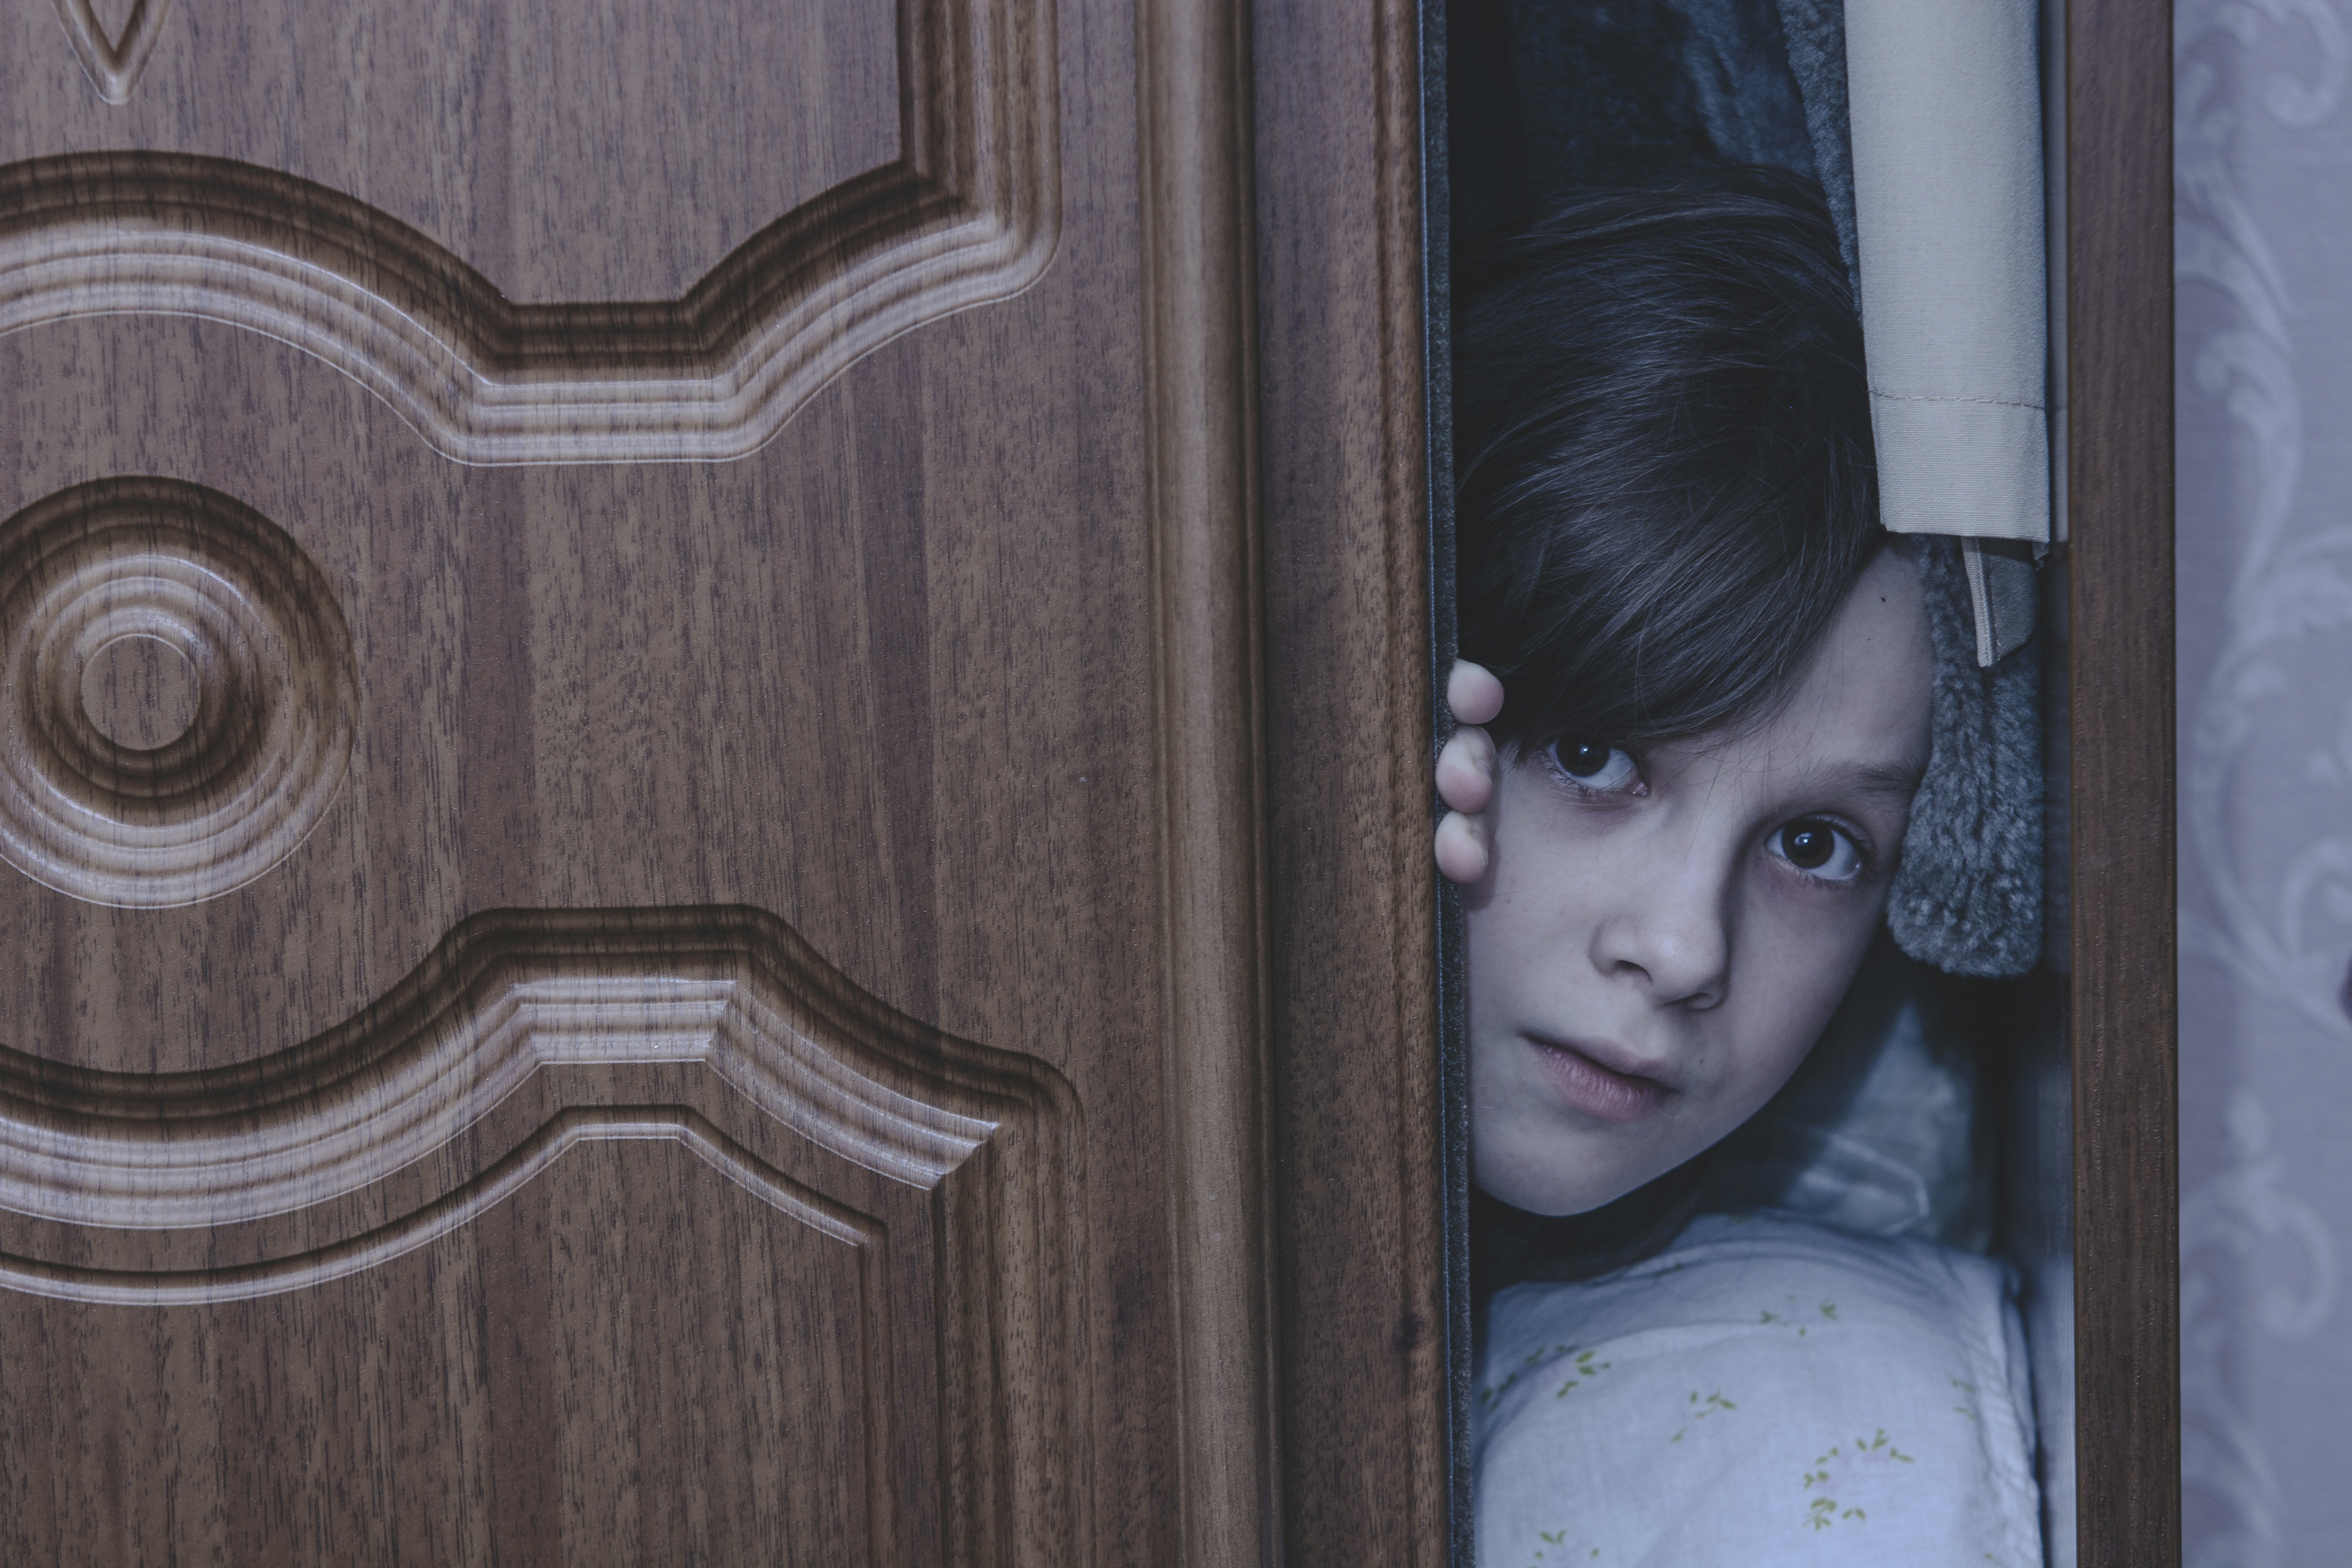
(1544, 1187)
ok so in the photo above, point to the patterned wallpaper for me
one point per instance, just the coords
(2264, 225)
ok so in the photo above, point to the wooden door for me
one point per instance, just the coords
(632, 785)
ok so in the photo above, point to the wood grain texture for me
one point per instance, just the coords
(509, 1393)
(1360, 1189)
(578, 155)
(941, 1177)
(968, 215)
(114, 61)
(507, 997)
(945, 697)
(259, 734)
(2125, 981)
(1199, 339)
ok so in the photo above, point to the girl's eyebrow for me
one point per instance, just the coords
(1892, 781)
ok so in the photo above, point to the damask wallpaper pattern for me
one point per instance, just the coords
(2263, 361)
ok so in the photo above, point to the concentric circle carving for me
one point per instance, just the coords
(141, 692)
(147, 591)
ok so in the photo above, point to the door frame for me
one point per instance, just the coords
(1351, 170)
(2124, 1007)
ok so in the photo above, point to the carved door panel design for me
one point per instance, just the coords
(628, 894)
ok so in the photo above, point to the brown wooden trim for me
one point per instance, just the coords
(2126, 997)
(1345, 464)
(1200, 348)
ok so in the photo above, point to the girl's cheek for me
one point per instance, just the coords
(1796, 972)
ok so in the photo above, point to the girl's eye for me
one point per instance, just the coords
(1601, 768)
(1821, 849)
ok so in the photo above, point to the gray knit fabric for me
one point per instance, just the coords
(1968, 894)
(1813, 32)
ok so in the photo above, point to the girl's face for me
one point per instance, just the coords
(1658, 939)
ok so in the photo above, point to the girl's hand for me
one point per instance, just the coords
(1465, 771)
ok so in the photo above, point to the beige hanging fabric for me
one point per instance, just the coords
(1944, 105)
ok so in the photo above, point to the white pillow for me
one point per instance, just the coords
(1766, 1390)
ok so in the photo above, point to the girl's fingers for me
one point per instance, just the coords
(1461, 848)
(1465, 770)
(1474, 693)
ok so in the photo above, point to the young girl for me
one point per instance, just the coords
(1676, 839)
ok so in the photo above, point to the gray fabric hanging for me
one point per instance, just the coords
(1815, 35)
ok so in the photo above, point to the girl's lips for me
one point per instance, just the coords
(1600, 1092)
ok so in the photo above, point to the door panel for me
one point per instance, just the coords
(556, 234)
(636, 685)
(631, 917)
(635, 1226)
(566, 151)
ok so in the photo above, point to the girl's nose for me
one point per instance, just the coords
(1670, 935)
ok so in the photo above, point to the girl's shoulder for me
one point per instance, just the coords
(1765, 1383)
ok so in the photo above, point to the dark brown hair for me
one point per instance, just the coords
(1665, 486)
